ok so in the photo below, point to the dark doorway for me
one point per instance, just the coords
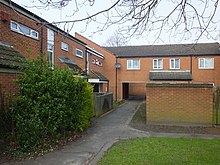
(125, 89)
(96, 87)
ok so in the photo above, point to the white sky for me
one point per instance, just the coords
(90, 30)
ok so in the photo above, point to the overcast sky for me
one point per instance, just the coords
(90, 30)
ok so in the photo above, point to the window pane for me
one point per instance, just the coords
(172, 63)
(201, 62)
(79, 53)
(129, 66)
(49, 47)
(64, 46)
(209, 63)
(50, 35)
(14, 25)
(155, 64)
(25, 30)
(50, 58)
(160, 64)
(177, 63)
(34, 34)
(135, 63)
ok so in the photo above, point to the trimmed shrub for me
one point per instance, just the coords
(52, 105)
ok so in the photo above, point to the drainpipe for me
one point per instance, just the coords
(191, 67)
(116, 80)
(41, 40)
(86, 56)
(191, 64)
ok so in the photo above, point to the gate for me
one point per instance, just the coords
(216, 116)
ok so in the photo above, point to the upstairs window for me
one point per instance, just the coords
(174, 63)
(133, 64)
(22, 29)
(157, 64)
(64, 46)
(79, 53)
(206, 63)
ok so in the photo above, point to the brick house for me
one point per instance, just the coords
(32, 36)
(183, 63)
(106, 79)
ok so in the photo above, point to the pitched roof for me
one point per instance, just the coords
(98, 75)
(76, 69)
(9, 57)
(166, 50)
(170, 75)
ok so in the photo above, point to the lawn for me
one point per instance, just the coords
(163, 151)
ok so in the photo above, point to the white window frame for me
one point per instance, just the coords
(81, 56)
(174, 60)
(19, 30)
(204, 63)
(157, 63)
(50, 44)
(64, 46)
(132, 67)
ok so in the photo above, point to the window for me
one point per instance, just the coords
(24, 30)
(64, 46)
(174, 63)
(50, 57)
(50, 36)
(157, 64)
(50, 47)
(133, 64)
(79, 53)
(206, 63)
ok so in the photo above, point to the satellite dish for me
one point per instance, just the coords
(117, 65)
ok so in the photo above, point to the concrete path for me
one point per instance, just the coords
(104, 132)
(90, 148)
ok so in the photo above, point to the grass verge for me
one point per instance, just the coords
(162, 151)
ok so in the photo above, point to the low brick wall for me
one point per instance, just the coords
(103, 103)
(179, 104)
(8, 89)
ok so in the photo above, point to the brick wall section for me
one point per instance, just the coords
(27, 46)
(8, 87)
(108, 68)
(179, 104)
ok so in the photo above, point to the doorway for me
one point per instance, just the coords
(125, 90)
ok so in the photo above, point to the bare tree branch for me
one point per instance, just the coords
(184, 18)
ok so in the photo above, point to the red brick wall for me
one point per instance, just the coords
(27, 46)
(71, 53)
(8, 87)
(30, 47)
(179, 104)
(206, 75)
(137, 89)
(137, 77)
(108, 69)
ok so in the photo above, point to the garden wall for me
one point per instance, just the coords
(103, 103)
(179, 104)
(8, 89)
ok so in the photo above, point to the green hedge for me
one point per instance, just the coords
(52, 105)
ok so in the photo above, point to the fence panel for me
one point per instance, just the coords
(216, 116)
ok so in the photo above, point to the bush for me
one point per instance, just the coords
(52, 104)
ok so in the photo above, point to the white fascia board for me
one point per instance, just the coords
(91, 80)
(94, 52)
